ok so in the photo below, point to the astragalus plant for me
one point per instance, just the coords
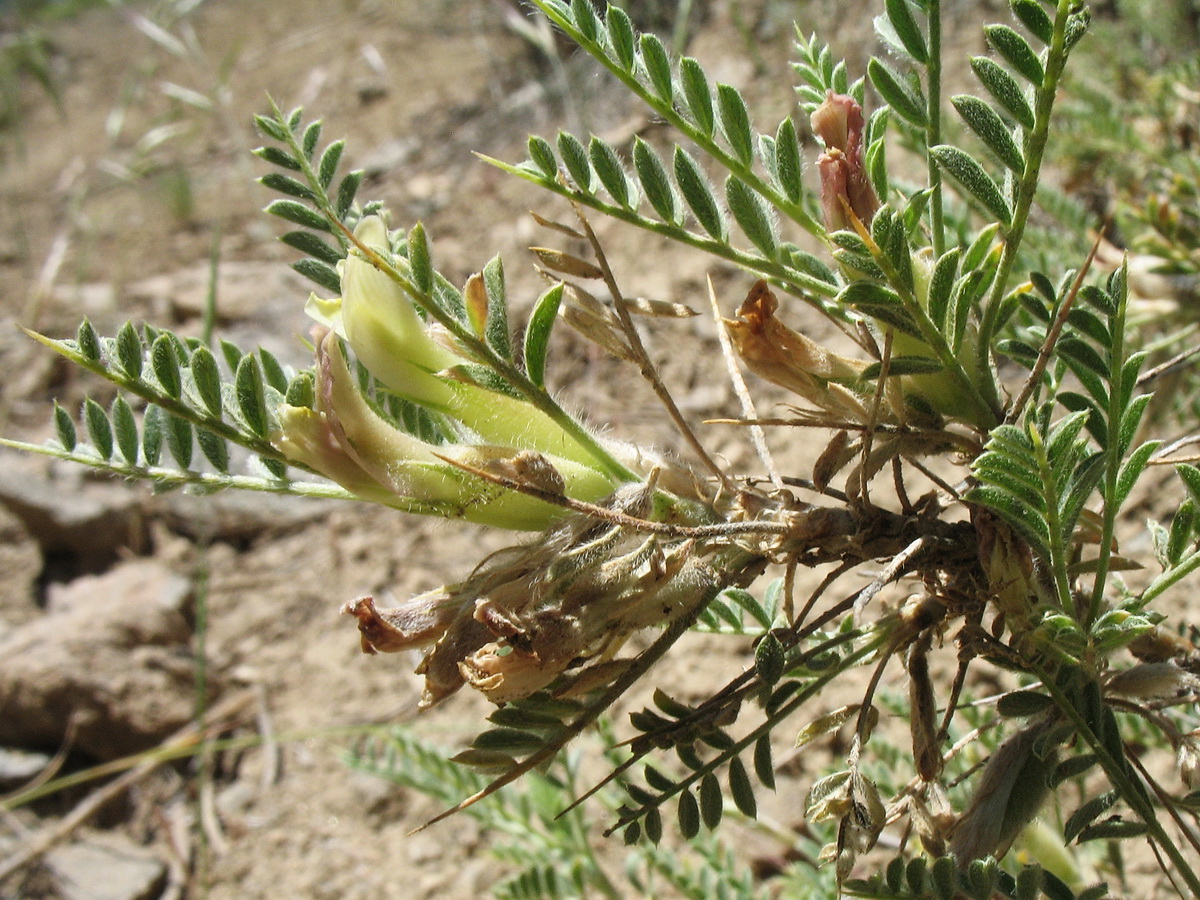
(982, 434)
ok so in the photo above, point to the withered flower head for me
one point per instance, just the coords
(845, 187)
(531, 613)
(789, 359)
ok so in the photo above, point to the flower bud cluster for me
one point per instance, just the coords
(845, 188)
(345, 439)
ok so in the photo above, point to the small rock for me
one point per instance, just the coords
(388, 156)
(96, 300)
(140, 583)
(241, 517)
(20, 566)
(115, 869)
(92, 521)
(18, 767)
(243, 289)
(371, 90)
(113, 662)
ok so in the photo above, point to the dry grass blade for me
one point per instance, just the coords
(43, 840)
(642, 358)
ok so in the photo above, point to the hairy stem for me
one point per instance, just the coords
(933, 130)
(1035, 149)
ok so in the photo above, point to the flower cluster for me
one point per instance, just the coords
(345, 439)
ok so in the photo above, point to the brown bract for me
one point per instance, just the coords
(530, 613)
(787, 358)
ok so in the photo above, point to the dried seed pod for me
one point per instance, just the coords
(832, 459)
(567, 263)
(1148, 680)
(923, 710)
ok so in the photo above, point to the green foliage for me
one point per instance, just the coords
(1012, 559)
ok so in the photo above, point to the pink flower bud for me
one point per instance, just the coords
(845, 187)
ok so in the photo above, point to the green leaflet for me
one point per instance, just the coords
(1034, 17)
(904, 98)
(620, 36)
(251, 396)
(900, 15)
(753, 215)
(537, 333)
(735, 123)
(420, 261)
(298, 214)
(696, 94)
(973, 180)
(611, 173)
(698, 194)
(657, 65)
(1016, 51)
(656, 183)
(98, 428)
(990, 128)
(1004, 88)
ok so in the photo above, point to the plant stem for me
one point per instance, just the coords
(217, 481)
(933, 130)
(1118, 391)
(1035, 149)
(1122, 780)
